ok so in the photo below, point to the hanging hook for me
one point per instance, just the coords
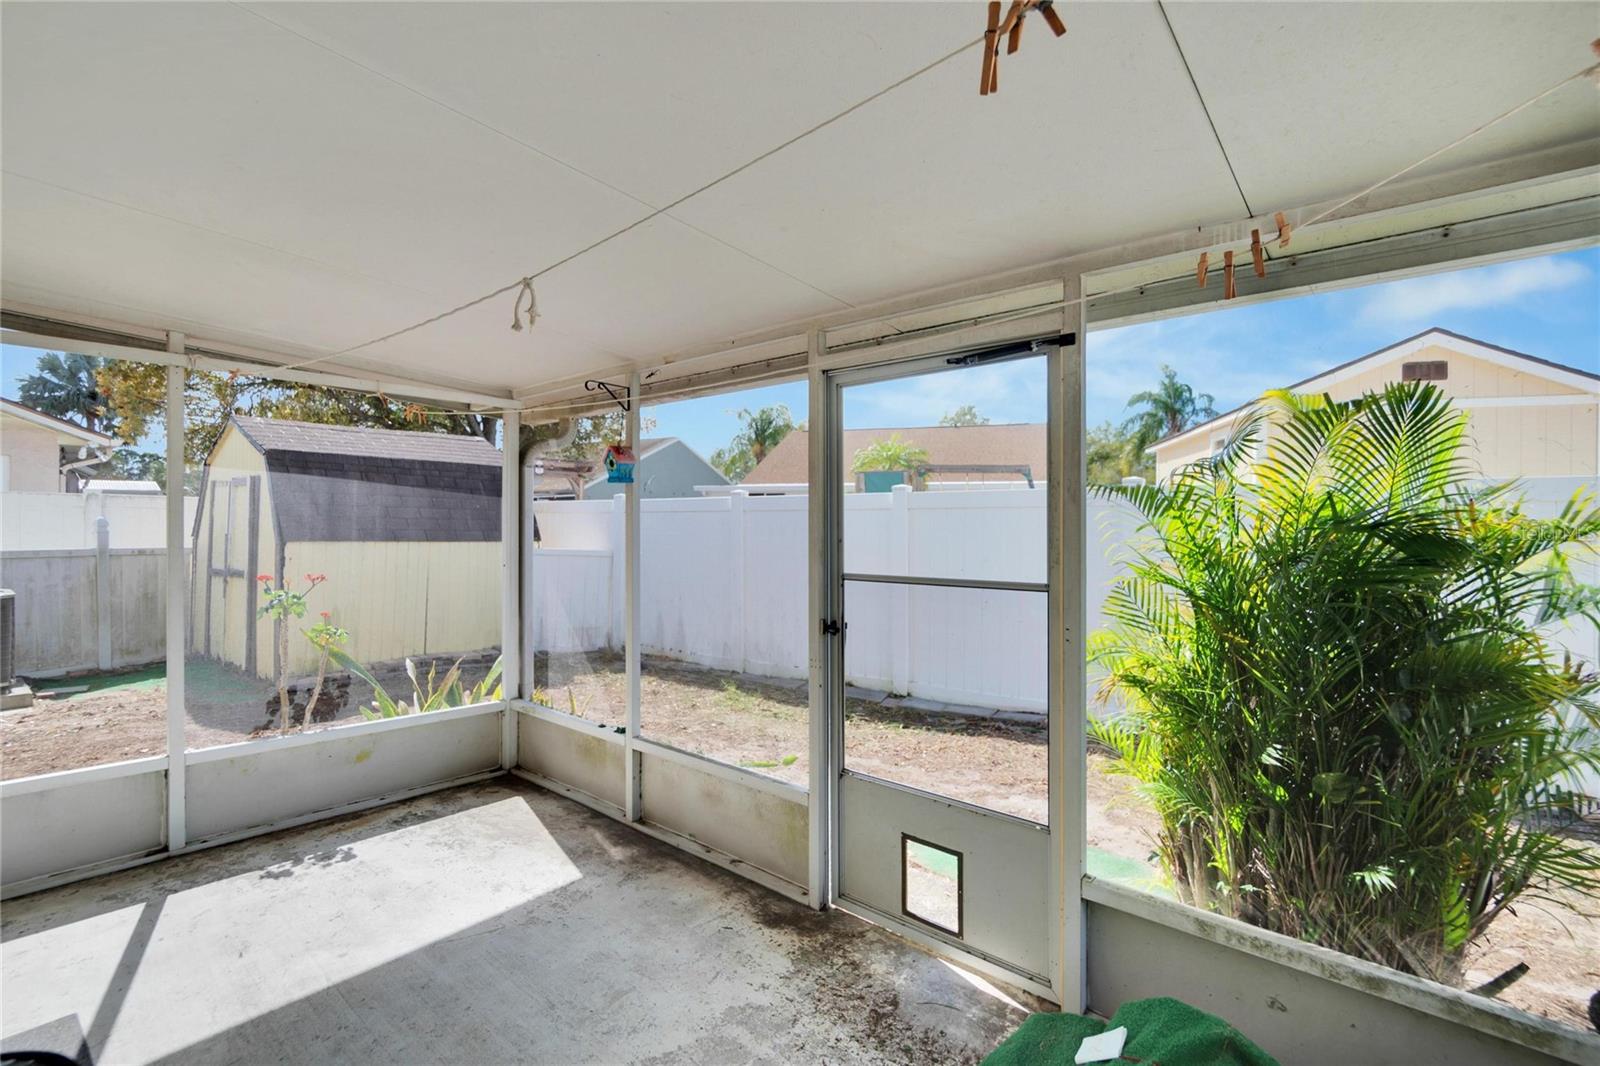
(533, 305)
(616, 392)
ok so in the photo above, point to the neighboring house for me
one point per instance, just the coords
(37, 451)
(1526, 416)
(666, 467)
(405, 524)
(1009, 454)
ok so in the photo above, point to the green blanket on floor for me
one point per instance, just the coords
(1161, 1030)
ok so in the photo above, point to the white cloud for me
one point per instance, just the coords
(1419, 300)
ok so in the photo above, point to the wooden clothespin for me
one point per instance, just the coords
(1283, 229)
(1013, 26)
(1228, 289)
(991, 39)
(1202, 269)
(1257, 255)
(1047, 9)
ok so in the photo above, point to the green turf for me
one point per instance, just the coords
(1103, 865)
(1107, 866)
(146, 677)
(1160, 1030)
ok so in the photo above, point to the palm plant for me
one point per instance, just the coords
(429, 692)
(64, 385)
(1171, 407)
(891, 453)
(1339, 699)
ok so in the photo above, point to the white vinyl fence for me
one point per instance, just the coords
(723, 583)
(33, 521)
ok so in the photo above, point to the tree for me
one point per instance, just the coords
(760, 432)
(1342, 701)
(127, 464)
(1171, 407)
(965, 415)
(1111, 455)
(891, 453)
(65, 385)
(592, 435)
(136, 396)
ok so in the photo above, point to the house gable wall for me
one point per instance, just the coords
(672, 471)
(1537, 439)
(33, 457)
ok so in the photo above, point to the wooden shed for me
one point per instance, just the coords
(406, 526)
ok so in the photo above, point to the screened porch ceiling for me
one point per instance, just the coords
(298, 179)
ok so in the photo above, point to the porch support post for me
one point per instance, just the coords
(1068, 616)
(630, 602)
(822, 488)
(510, 580)
(177, 604)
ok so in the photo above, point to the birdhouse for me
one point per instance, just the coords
(619, 464)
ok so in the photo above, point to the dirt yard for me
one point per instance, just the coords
(123, 716)
(760, 724)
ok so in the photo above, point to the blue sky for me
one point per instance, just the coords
(1547, 306)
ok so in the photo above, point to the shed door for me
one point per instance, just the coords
(232, 533)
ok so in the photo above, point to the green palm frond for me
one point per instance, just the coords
(1343, 705)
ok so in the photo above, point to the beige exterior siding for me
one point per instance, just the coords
(32, 457)
(1470, 378)
(1521, 421)
(399, 598)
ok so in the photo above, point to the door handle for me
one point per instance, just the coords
(829, 627)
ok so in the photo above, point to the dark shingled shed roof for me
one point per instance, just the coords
(342, 483)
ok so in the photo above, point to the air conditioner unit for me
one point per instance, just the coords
(13, 693)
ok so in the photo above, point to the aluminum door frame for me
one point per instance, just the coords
(1053, 852)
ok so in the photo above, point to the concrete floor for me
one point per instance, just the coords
(494, 923)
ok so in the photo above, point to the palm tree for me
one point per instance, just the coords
(763, 429)
(64, 385)
(1339, 693)
(1171, 407)
(759, 433)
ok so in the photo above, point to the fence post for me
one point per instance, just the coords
(900, 611)
(102, 591)
(92, 502)
(736, 505)
(618, 546)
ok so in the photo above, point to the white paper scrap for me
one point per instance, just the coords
(1103, 1048)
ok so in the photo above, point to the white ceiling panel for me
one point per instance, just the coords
(1094, 138)
(78, 255)
(1317, 100)
(209, 115)
(307, 177)
(656, 99)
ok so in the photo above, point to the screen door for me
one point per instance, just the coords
(942, 716)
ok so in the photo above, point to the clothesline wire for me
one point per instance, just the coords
(654, 214)
(1589, 72)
